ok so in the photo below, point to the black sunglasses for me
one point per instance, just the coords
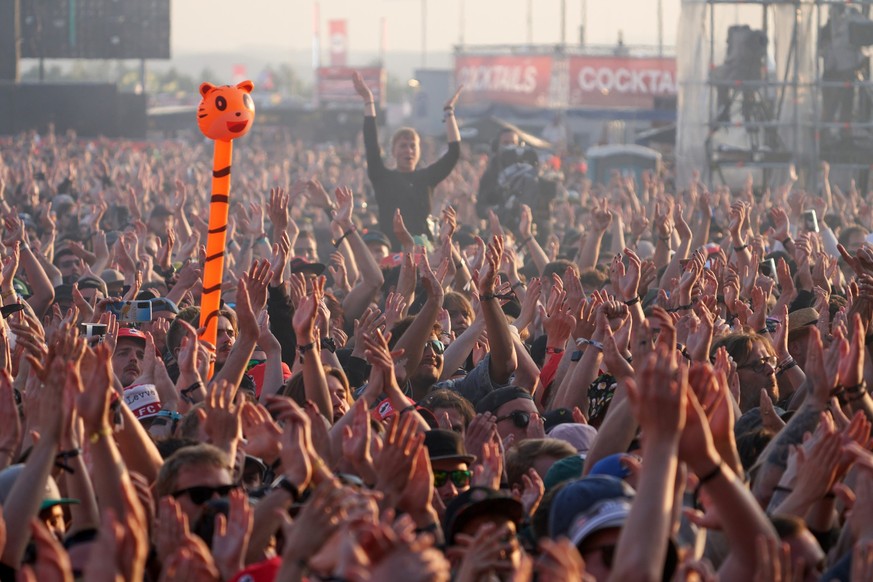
(460, 477)
(436, 345)
(200, 494)
(521, 418)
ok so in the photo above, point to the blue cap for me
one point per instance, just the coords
(611, 466)
(577, 498)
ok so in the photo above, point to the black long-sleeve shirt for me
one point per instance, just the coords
(411, 192)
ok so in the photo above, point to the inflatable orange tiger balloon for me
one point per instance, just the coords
(225, 113)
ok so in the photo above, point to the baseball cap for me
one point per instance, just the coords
(581, 436)
(265, 571)
(164, 304)
(446, 445)
(143, 400)
(385, 410)
(51, 495)
(257, 374)
(497, 398)
(566, 469)
(478, 501)
(801, 318)
(376, 236)
(112, 276)
(91, 282)
(569, 512)
(610, 465)
(301, 265)
(553, 418)
(160, 210)
(132, 333)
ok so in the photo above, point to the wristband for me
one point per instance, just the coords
(290, 487)
(680, 308)
(369, 102)
(712, 474)
(344, 236)
(304, 348)
(171, 414)
(554, 350)
(329, 344)
(593, 343)
(187, 391)
(523, 243)
(787, 241)
(487, 297)
(741, 248)
(97, 436)
(633, 301)
(71, 454)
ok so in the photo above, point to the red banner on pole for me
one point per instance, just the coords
(620, 81)
(334, 85)
(339, 42)
(512, 79)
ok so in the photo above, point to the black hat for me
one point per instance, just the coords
(553, 418)
(478, 501)
(376, 236)
(497, 398)
(301, 265)
(446, 444)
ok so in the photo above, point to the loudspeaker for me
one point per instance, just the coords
(10, 40)
(91, 110)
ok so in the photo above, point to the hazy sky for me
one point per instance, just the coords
(233, 25)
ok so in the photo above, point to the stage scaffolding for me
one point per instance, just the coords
(769, 119)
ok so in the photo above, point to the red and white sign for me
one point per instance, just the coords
(620, 81)
(334, 85)
(512, 79)
(339, 42)
(239, 73)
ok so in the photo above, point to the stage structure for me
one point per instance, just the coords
(764, 84)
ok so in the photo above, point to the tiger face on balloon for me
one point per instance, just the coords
(226, 112)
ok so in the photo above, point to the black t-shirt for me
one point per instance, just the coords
(411, 192)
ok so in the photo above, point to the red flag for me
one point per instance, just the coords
(339, 42)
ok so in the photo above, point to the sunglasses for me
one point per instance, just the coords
(765, 365)
(200, 494)
(460, 477)
(437, 346)
(521, 418)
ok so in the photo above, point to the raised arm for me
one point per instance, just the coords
(503, 360)
(525, 232)
(418, 332)
(371, 139)
(600, 220)
(314, 379)
(372, 279)
(659, 398)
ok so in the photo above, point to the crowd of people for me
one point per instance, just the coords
(641, 381)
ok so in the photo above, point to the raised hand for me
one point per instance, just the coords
(345, 200)
(232, 533)
(277, 210)
(362, 89)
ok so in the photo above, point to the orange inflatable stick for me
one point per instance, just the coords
(225, 113)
